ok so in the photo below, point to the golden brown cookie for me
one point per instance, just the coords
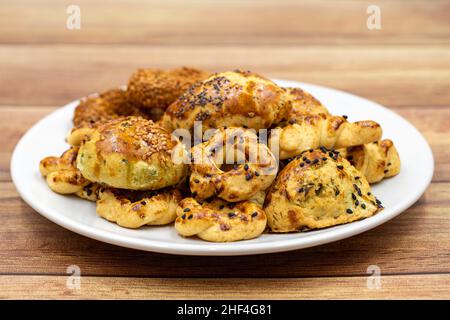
(154, 88)
(231, 165)
(318, 189)
(134, 209)
(220, 221)
(132, 153)
(229, 99)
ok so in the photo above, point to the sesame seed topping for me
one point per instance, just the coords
(254, 214)
(190, 216)
(349, 211)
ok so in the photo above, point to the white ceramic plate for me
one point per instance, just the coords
(398, 193)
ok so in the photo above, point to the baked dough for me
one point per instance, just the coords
(318, 189)
(134, 209)
(61, 174)
(154, 88)
(252, 166)
(220, 221)
(303, 104)
(132, 153)
(376, 160)
(229, 99)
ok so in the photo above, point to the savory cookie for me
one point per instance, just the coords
(318, 189)
(154, 88)
(132, 153)
(229, 99)
(220, 221)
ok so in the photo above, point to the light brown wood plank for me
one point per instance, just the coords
(416, 241)
(226, 22)
(392, 287)
(394, 75)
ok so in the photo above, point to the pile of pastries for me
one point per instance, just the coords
(223, 157)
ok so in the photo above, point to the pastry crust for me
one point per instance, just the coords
(318, 189)
(61, 174)
(229, 99)
(154, 88)
(134, 209)
(220, 221)
(303, 104)
(376, 160)
(252, 166)
(132, 153)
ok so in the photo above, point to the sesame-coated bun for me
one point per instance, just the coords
(154, 88)
(232, 99)
(318, 189)
(132, 153)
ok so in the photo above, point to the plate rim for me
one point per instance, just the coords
(151, 245)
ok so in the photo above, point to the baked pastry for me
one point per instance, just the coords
(133, 209)
(61, 174)
(303, 104)
(376, 160)
(132, 153)
(228, 99)
(219, 221)
(231, 165)
(329, 131)
(154, 88)
(318, 189)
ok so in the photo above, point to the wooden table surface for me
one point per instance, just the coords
(405, 66)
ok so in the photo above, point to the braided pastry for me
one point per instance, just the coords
(133, 209)
(318, 189)
(252, 166)
(229, 99)
(220, 221)
(376, 160)
(61, 174)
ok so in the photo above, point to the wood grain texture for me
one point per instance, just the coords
(404, 66)
(392, 287)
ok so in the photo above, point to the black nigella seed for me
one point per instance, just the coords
(231, 214)
(208, 175)
(186, 210)
(345, 117)
(248, 176)
(315, 161)
(190, 216)
(143, 202)
(221, 206)
(324, 159)
(302, 189)
(336, 193)
(196, 181)
(302, 164)
(254, 214)
(356, 203)
(363, 205)
(231, 205)
(183, 216)
(257, 173)
(308, 161)
(349, 211)
(245, 167)
(304, 158)
(378, 201)
(359, 192)
(311, 150)
(389, 164)
(340, 167)
(331, 154)
(357, 178)
(369, 193)
(353, 196)
(386, 171)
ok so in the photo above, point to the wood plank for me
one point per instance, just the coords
(55, 74)
(432, 122)
(226, 22)
(392, 287)
(417, 241)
